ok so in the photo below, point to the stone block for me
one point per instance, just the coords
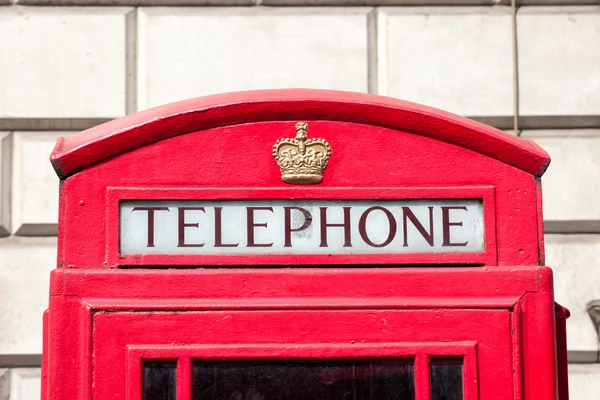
(25, 384)
(574, 259)
(34, 184)
(25, 268)
(559, 62)
(4, 384)
(288, 3)
(5, 175)
(139, 2)
(62, 62)
(555, 2)
(584, 381)
(457, 59)
(571, 184)
(381, 2)
(191, 52)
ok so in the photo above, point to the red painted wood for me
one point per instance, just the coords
(101, 143)
(562, 313)
(134, 382)
(306, 334)
(517, 356)
(311, 292)
(420, 164)
(184, 376)
(70, 350)
(107, 311)
(422, 376)
(419, 351)
(540, 218)
(539, 347)
(471, 373)
(497, 287)
(45, 349)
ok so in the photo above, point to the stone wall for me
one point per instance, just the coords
(531, 68)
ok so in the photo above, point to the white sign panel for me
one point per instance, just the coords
(301, 227)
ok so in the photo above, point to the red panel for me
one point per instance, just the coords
(442, 294)
(238, 158)
(117, 137)
(562, 313)
(69, 356)
(44, 369)
(305, 334)
(422, 377)
(287, 288)
(420, 352)
(539, 346)
(184, 374)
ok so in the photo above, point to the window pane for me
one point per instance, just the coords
(446, 378)
(159, 380)
(358, 380)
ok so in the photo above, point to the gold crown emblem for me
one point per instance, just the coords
(302, 160)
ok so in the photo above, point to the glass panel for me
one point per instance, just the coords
(293, 380)
(446, 378)
(159, 380)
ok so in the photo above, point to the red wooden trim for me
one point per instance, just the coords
(422, 377)
(303, 351)
(128, 304)
(184, 378)
(134, 378)
(539, 346)
(69, 363)
(562, 314)
(540, 223)
(470, 374)
(419, 351)
(117, 137)
(45, 347)
(302, 286)
(517, 356)
(114, 195)
(285, 260)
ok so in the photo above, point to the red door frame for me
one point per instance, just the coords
(76, 296)
(419, 351)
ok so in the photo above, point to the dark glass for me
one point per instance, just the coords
(293, 380)
(159, 380)
(446, 378)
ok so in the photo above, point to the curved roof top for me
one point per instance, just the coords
(122, 135)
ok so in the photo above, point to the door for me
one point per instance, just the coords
(303, 355)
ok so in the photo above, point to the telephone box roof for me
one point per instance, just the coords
(112, 139)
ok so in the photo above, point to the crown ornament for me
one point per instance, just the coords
(301, 160)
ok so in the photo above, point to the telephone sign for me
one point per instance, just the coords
(301, 227)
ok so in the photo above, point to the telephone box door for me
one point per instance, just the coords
(432, 354)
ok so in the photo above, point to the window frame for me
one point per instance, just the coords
(187, 354)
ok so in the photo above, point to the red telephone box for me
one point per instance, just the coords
(301, 244)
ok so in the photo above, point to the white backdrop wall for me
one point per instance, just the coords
(66, 65)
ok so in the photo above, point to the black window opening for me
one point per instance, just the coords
(391, 379)
(293, 380)
(446, 378)
(159, 380)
